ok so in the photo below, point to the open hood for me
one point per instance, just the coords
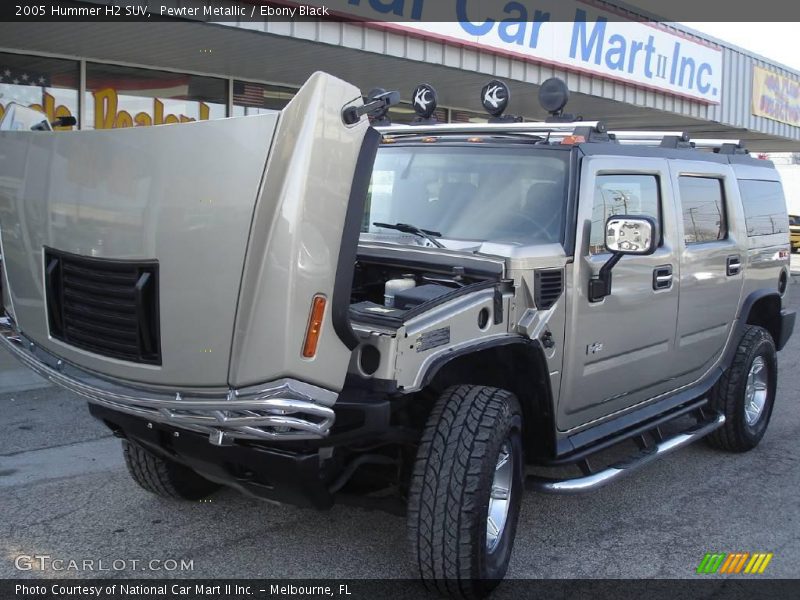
(190, 255)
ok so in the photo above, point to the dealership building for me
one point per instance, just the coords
(182, 65)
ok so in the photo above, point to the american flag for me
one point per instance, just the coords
(248, 94)
(9, 75)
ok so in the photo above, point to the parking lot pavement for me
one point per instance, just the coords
(65, 493)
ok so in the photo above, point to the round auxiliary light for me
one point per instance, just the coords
(494, 97)
(424, 100)
(553, 95)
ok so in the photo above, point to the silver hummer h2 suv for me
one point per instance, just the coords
(423, 318)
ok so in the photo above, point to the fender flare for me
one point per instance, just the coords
(537, 400)
(744, 316)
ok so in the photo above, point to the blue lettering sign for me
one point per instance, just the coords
(649, 49)
(676, 53)
(687, 66)
(469, 26)
(702, 85)
(513, 30)
(396, 7)
(595, 41)
(539, 17)
(615, 57)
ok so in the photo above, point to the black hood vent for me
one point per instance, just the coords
(547, 287)
(109, 307)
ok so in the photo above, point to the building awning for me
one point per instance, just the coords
(347, 50)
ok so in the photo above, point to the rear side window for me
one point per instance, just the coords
(764, 207)
(622, 194)
(703, 209)
(793, 220)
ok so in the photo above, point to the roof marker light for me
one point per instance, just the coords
(571, 140)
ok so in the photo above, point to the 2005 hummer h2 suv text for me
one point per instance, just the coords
(309, 307)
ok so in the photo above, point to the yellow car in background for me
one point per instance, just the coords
(794, 228)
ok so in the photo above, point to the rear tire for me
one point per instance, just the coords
(466, 488)
(163, 477)
(745, 393)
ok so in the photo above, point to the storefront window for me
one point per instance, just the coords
(130, 97)
(404, 113)
(466, 116)
(46, 84)
(257, 98)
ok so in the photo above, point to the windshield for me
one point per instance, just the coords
(511, 193)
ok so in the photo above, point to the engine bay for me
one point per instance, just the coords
(393, 291)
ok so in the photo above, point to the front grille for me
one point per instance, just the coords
(547, 287)
(109, 307)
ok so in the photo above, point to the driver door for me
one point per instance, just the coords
(619, 349)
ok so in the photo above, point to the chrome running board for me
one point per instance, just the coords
(619, 469)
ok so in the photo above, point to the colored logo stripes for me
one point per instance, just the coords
(734, 563)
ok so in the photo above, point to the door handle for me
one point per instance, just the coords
(733, 265)
(662, 277)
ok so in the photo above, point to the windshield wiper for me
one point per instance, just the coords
(413, 229)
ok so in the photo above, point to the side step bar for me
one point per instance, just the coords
(7, 330)
(619, 469)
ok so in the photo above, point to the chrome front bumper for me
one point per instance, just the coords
(285, 409)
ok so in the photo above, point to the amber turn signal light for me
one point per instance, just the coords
(314, 326)
(571, 140)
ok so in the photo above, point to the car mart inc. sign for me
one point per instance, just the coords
(570, 34)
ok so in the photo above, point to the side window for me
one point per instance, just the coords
(764, 207)
(622, 194)
(703, 209)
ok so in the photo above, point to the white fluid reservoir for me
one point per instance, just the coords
(396, 285)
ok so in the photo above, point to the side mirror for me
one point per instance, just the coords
(68, 121)
(624, 234)
(630, 235)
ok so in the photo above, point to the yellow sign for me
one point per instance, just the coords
(108, 116)
(776, 97)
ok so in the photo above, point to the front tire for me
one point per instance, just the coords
(745, 393)
(466, 488)
(163, 477)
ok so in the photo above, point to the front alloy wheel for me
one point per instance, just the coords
(500, 496)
